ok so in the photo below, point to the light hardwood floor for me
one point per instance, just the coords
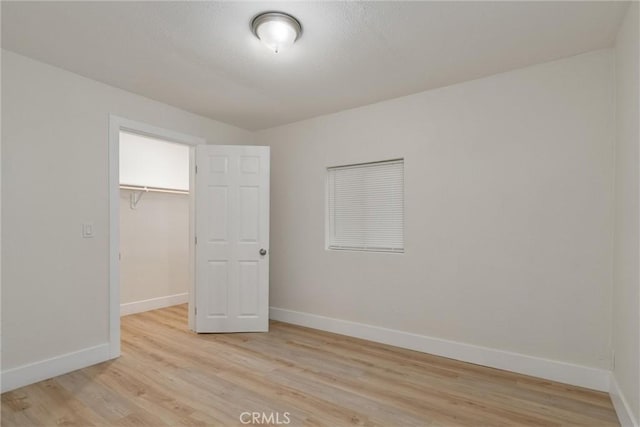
(168, 375)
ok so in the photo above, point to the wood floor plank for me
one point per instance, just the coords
(168, 375)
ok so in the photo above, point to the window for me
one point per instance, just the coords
(366, 207)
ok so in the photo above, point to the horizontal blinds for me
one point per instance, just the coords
(366, 206)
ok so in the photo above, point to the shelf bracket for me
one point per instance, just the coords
(135, 196)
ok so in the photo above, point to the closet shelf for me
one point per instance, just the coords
(139, 190)
(153, 189)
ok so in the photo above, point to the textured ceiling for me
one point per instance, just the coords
(202, 57)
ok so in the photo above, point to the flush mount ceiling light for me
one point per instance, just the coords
(277, 30)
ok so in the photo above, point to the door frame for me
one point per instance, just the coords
(117, 124)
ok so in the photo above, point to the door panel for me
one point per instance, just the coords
(249, 214)
(232, 216)
(218, 284)
(218, 195)
(248, 285)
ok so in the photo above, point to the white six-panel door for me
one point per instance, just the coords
(232, 239)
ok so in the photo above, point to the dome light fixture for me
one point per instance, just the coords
(276, 30)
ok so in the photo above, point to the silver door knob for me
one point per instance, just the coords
(263, 252)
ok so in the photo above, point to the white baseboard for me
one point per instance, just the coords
(38, 371)
(625, 416)
(49, 368)
(153, 304)
(583, 376)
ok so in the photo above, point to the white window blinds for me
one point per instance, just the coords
(366, 207)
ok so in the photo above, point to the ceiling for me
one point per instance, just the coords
(202, 56)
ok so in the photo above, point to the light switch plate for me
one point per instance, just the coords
(87, 230)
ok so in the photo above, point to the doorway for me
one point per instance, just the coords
(228, 285)
(154, 223)
(119, 127)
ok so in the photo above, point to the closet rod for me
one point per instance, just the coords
(153, 189)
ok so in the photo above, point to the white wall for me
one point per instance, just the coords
(509, 200)
(509, 196)
(626, 288)
(150, 162)
(154, 245)
(55, 176)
